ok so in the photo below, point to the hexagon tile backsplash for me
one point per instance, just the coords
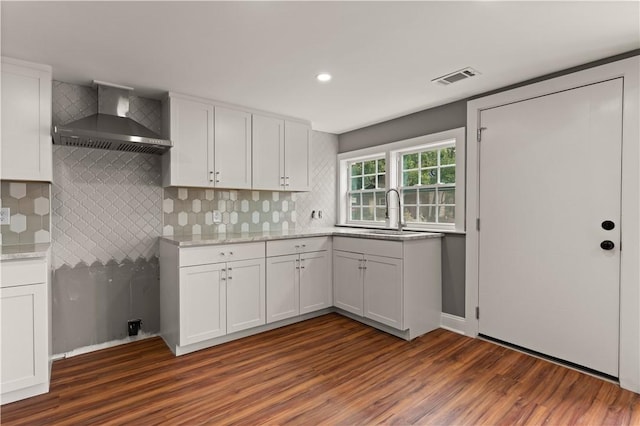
(30, 216)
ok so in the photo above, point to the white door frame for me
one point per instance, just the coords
(629, 69)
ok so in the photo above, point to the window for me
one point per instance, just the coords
(429, 185)
(366, 190)
(428, 171)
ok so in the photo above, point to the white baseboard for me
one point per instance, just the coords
(452, 323)
(105, 345)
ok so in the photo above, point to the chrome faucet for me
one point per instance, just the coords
(386, 214)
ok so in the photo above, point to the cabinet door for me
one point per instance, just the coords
(283, 289)
(297, 141)
(347, 281)
(202, 303)
(232, 148)
(191, 158)
(383, 290)
(315, 281)
(245, 294)
(26, 123)
(268, 153)
(24, 336)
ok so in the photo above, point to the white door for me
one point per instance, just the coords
(192, 137)
(202, 303)
(245, 294)
(232, 131)
(315, 281)
(282, 287)
(348, 281)
(24, 336)
(383, 290)
(549, 177)
(297, 141)
(268, 153)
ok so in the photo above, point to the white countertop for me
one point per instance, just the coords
(24, 251)
(244, 237)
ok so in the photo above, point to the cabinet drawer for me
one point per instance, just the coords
(190, 256)
(369, 246)
(23, 272)
(297, 245)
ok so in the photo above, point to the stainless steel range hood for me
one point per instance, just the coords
(111, 128)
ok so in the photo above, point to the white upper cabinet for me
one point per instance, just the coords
(268, 153)
(26, 121)
(215, 145)
(190, 161)
(232, 148)
(281, 154)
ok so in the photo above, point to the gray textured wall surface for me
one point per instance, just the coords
(106, 217)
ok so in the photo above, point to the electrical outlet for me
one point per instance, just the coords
(134, 326)
(5, 216)
(217, 216)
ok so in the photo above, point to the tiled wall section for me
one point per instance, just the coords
(189, 211)
(30, 219)
(106, 217)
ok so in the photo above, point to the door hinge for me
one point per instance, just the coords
(480, 129)
(477, 312)
(478, 224)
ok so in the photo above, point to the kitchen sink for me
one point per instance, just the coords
(390, 232)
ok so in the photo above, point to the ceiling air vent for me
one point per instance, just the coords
(456, 76)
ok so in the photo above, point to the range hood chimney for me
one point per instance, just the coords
(111, 128)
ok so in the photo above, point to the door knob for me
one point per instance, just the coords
(607, 245)
(608, 225)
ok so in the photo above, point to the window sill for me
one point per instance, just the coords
(408, 228)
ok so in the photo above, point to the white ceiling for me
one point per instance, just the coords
(265, 55)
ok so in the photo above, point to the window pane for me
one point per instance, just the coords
(380, 199)
(448, 156)
(428, 213)
(410, 178)
(355, 213)
(447, 214)
(410, 161)
(428, 196)
(446, 196)
(380, 213)
(369, 167)
(356, 183)
(355, 199)
(429, 176)
(381, 181)
(381, 166)
(367, 212)
(356, 169)
(410, 214)
(370, 182)
(448, 174)
(429, 158)
(367, 199)
(410, 196)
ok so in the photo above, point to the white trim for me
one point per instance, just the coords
(92, 348)
(453, 323)
(629, 69)
(392, 152)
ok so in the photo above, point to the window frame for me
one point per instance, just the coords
(392, 153)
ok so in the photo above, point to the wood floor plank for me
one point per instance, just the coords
(326, 371)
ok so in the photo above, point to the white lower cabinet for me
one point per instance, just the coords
(208, 292)
(298, 283)
(24, 307)
(393, 283)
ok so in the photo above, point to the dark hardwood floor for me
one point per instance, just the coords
(328, 370)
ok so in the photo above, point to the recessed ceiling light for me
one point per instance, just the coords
(323, 77)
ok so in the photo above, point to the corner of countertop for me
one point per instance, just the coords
(24, 251)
